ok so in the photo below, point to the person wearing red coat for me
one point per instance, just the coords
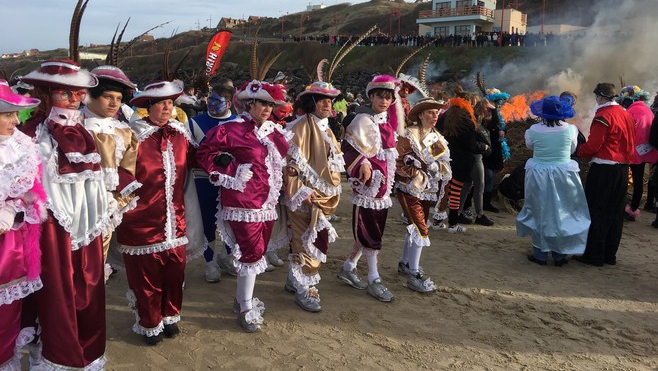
(611, 146)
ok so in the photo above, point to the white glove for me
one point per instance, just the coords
(7, 215)
(244, 173)
(433, 168)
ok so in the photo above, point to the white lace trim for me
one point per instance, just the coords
(247, 215)
(247, 269)
(274, 164)
(65, 221)
(297, 200)
(414, 161)
(18, 289)
(311, 234)
(130, 188)
(137, 328)
(169, 164)
(34, 213)
(78, 157)
(231, 182)
(371, 202)
(371, 190)
(96, 365)
(13, 364)
(117, 216)
(154, 248)
(171, 320)
(300, 280)
(111, 178)
(428, 194)
(308, 175)
(17, 175)
(416, 238)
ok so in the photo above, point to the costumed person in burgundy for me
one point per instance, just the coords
(152, 236)
(312, 187)
(71, 305)
(370, 156)
(245, 158)
(638, 107)
(423, 165)
(219, 112)
(554, 213)
(611, 147)
(115, 142)
(22, 209)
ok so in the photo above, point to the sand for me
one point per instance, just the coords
(494, 310)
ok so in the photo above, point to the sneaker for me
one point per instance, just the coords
(250, 321)
(152, 340)
(377, 290)
(418, 283)
(468, 213)
(289, 287)
(438, 224)
(351, 278)
(213, 273)
(270, 267)
(463, 219)
(171, 331)
(403, 268)
(335, 218)
(274, 259)
(309, 301)
(226, 265)
(491, 208)
(403, 219)
(483, 220)
(456, 229)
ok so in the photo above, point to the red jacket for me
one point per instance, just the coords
(611, 136)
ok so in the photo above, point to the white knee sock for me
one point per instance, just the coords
(405, 249)
(414, 258)
(354, 257)
(245, 291)
(371, 257)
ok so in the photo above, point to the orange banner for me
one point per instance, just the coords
(216, 48)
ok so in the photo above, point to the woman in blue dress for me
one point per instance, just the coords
(555, 212)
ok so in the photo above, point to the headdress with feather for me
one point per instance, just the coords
(342, 52)
(116, 50)
(418, 83)
(258, 69)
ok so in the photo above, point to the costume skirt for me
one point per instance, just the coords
(555, 213)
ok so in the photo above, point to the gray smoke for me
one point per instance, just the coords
(620, 42)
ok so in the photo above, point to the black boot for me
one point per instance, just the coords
(650, 205)
(486, 200)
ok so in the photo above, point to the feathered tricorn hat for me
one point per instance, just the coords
(491, 94)
(415, 83)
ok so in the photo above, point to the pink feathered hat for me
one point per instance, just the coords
(12, 102)
(387, 82)
(320, 88)
(259, 90)
(114, 74)
(155, 92)
(61, 73)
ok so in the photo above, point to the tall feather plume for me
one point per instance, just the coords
(109, 59)
(340, 55)
(118, 44)
(406, 59)
(139, 37)
(180, 63)
(253, 64)
(422, 74)
(74, 32)
(621, 81)
(320, 69)
(165, 62)
(267, 63)
(479, 81)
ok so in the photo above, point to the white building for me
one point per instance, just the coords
(311, 8)
(467, 17)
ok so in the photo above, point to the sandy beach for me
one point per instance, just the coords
(494, 310)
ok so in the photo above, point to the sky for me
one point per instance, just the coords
(44, 24)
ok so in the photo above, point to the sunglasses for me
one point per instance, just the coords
(68, 94)
(265, 103)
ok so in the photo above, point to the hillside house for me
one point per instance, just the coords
(467, 17)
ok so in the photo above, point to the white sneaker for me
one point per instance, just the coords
(456, 229)
(212, 272)
(403, 219)
(438, 225)
(273, 259)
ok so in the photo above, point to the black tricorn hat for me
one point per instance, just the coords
(605, 89)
